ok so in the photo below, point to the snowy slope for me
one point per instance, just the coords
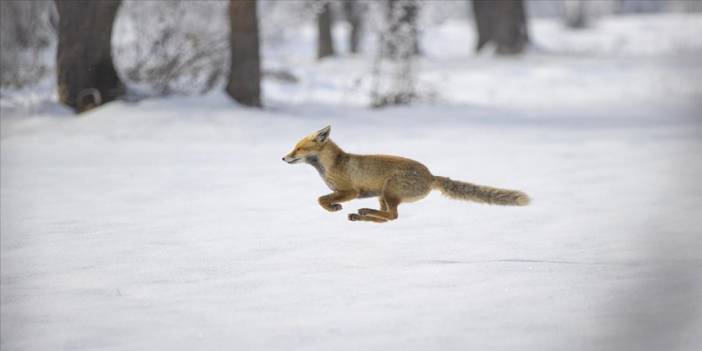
(172, 223)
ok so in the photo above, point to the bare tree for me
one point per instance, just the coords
(244, 84)
(325, 42)
(402, 17)
(85, 72)
(394, 68)
(353, 11)
(503, 23)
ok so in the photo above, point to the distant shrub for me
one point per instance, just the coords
(27, 42)
(170, 47)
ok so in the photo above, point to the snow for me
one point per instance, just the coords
(172, 223)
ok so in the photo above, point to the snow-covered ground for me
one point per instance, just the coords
(173, 224)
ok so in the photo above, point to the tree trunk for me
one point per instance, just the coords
(402, 32)
(575, 14)
(86, 76)
(325, 42)
(353, 13)
(244, 84)
(503, 23)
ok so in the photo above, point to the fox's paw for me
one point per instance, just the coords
(332, 207)
(357, 217)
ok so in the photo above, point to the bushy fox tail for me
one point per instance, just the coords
(478, 193)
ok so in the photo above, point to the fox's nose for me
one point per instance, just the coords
(288, 159)
(283, 158)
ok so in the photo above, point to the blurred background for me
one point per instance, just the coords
(337, 51)
(144, 204)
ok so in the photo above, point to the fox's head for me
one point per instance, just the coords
(309, 146)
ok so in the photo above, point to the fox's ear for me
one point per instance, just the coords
(322, 135)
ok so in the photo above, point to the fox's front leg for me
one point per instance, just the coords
(331, 202)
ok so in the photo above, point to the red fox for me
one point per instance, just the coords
(393, 179)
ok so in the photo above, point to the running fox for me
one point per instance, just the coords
(393, 179)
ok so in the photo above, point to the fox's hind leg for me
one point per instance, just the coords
(330, 202)
(369, 214)
(389, 213)
(405, 187)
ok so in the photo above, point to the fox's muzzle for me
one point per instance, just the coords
(289, 159)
